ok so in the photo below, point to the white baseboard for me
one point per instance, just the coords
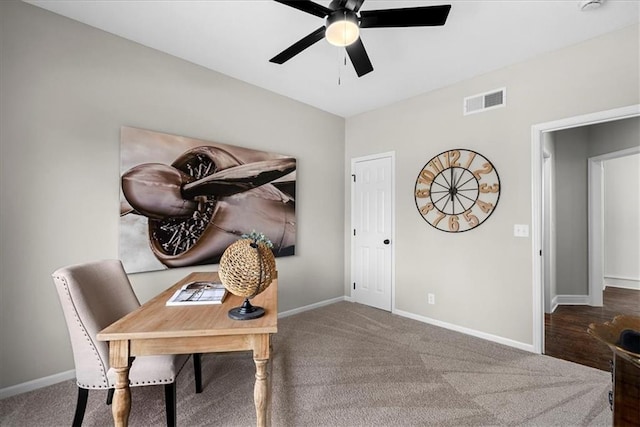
(468, 331)
(569, 300)
(37, 383)
(622, 282)
(310, 307)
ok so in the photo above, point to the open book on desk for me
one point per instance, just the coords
(199, 293)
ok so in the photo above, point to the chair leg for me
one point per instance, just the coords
(170, 403)
(110, 396)
(197, 369)
(83, 394)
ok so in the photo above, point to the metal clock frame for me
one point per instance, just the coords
(460, 186)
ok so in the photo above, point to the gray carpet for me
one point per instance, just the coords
(351, 365)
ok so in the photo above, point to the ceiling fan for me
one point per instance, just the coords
(343, 23)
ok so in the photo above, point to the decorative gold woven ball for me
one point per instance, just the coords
(246, 270)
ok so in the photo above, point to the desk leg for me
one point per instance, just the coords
(120, 362)
(270, 379)
(261, 391)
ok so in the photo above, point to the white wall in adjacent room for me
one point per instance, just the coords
(622, 221)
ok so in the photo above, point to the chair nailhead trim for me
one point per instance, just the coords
(84, 331)
(165, 381)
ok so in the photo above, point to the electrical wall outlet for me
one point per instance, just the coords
(431, 298)
(521, 230)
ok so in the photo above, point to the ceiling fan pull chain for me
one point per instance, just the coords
(344, 63)
(339, 70)
(344, 35)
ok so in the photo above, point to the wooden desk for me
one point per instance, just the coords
(626, 369)
(155, 328)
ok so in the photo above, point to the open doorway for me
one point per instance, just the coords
(607, 253)
(545, 225)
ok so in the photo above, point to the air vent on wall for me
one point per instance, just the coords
(485, 101)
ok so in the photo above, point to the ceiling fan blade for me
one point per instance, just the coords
(299, 46)
(357, 4)
(405, 17)
(359, 58)
(307, 6)
(353, 5)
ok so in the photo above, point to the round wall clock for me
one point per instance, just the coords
(457, 190)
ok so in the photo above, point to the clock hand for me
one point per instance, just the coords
(452, 177)
(453, 190)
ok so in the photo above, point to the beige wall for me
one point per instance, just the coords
(482, 279)
(66, 89)
(614, 136)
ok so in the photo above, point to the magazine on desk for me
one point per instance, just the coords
(199, 293)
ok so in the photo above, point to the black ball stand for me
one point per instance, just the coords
(246, 311)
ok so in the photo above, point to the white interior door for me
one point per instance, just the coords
(372, 230)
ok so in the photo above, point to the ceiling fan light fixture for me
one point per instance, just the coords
(342, 28)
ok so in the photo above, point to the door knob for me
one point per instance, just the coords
(386, 241)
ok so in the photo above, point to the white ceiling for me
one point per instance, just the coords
(238, 37)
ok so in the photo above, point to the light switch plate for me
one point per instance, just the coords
(521, 230)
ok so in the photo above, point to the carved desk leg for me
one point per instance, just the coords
(120, 362)
(261, 389)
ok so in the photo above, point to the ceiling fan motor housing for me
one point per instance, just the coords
(342, 27)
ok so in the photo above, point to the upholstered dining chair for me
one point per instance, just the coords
(94, 295)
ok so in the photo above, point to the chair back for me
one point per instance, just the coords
(93, 295)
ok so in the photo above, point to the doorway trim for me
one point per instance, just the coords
(537, 132)
(392, 156)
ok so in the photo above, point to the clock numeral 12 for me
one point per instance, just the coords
(452, 158)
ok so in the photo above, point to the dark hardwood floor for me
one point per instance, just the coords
(566, 334)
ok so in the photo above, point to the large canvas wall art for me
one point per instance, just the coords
(183, 201)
